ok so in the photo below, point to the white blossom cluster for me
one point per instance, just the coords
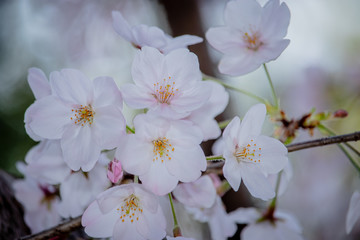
(88, 155)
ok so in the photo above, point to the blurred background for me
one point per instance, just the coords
(320, 68)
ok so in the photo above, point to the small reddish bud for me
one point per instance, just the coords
(341, 113)
(115, 172)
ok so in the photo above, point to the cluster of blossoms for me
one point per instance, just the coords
(88, 154)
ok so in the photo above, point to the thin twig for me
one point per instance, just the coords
(58, 230)
(75, 223)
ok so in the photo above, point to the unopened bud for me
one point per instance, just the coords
(341, 113)
(115, 172)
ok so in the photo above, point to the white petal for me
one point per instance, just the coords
(110, 123)
(232, 173)
(121, 26)
(218, 146)
(80, 147)
(353, 213)
(158, 180)
(252, 123)
(39, 83)
(156, 223)
(72, 86)
(201, 193)
(226, 40)
(113, 197)
(98, 224)
(181, 42)
(126, 230)
(149, 36)
(49, 117)
(138, 97)
(27, 120)
(230, 134)
(237, 65)
(272, 50)
(256, 182)
(242, 14)
(273, 154)
(135, 155)
(106, 93)
(245, 215)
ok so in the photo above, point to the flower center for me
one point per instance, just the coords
(248, 153)
(162, 149)
(252, 41)
(130, 209)
(164, 90)
(83, 115)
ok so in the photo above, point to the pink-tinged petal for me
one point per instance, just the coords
(230, 135)
(126, 230)
(147, 68)
(353, 213)
(49, 117)
(187, 162)
(252, 123)
(39, 83)
(113, 197)
(256, 182)
(135, 155)
(158, 180)
(27, 119)
(237, 66)
(242, 14)
(149, 36)
(183, 67)
(156, 224)
(138, 97)
(110, 123)
(106, 93)
(274, 20)
(218, 146)
(180, 42)
(98, 224)
(80, 147)
(289, 220)
(185, 131)
(245, 215)
(272, 50)
(149, 201)
(232, 173)
(226, 40)
(72, 86)
(121, 26)
(201, 193)
(273, 154)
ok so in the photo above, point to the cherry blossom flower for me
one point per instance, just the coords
(162, 152)
(168, 85)
(178, 238)
(204, 117)
(40, 87)
(220, 224)
(80, 188)
(115, 172)
(125, 212)
(142, 35)
(250, 156)
(253, 35)
(40, 201)
(200, 193)
(85, 115)
(281, 226)
(353, 213)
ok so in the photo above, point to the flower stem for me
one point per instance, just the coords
(342, 148)
(215, 158)
(136, 179)
(276, 101)
(223, 124)
(249, 94)
(278, 180)
(130, 129)
(176, 229)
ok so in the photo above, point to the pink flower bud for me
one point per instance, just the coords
(115, 172)
(340, 113)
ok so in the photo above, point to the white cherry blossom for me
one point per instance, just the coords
(250, 156)
(280, 226)
(162, 152)
(125, 212)
(168, 85)
(252, 35)
(353, 213)
(85, 115)
(142, 35)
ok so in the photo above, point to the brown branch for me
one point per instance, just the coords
(59, 230)
(75, 223)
